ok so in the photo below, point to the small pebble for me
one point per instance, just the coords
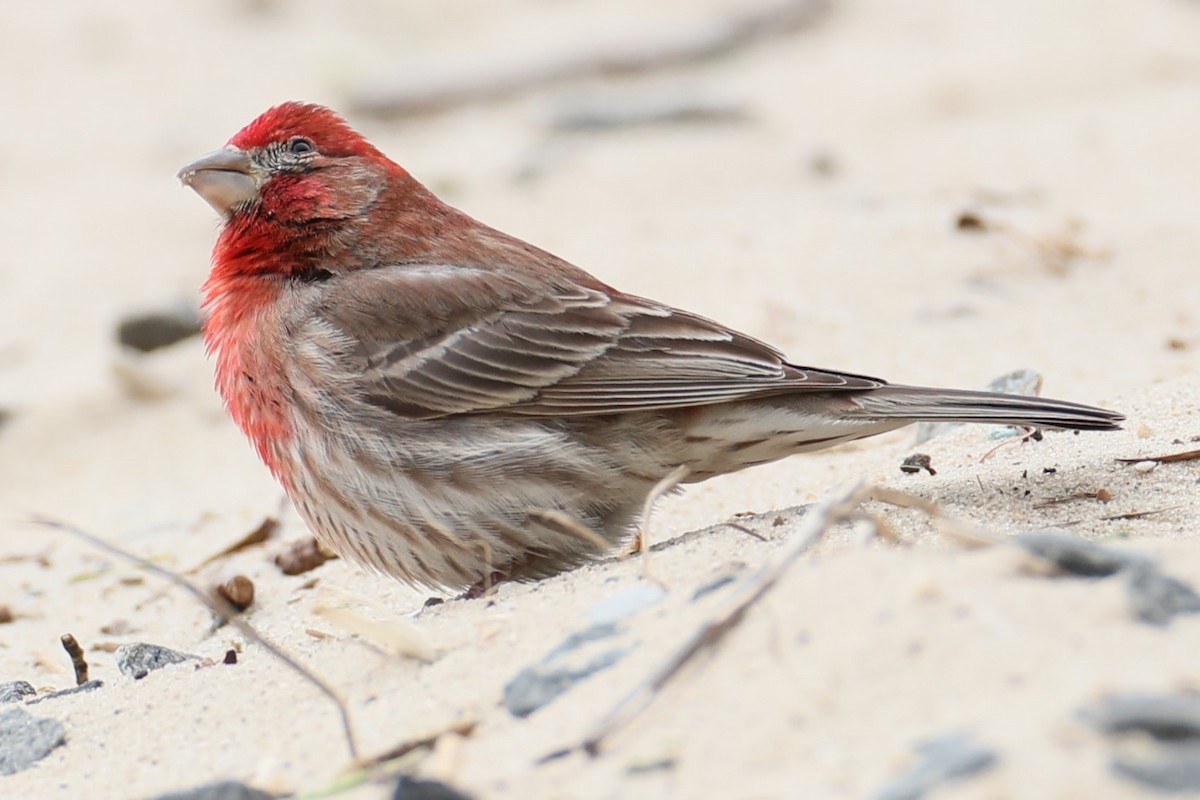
(412, 789)
(1162, 716)
(1168, 767)
(917, 462)
(970, 221)
(947, 758)
(1072, 555)
(139, 659)
(156, 329)
(300, 557)
(1156, 598)
(578, 657)
(222, 790)
(15, 691)
(1145, 466)
(26, 739)
(1157, 737)
(238, 591)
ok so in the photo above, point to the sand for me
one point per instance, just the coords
(822, 218)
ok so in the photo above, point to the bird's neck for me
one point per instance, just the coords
(241, 313)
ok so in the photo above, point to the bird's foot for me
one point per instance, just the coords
(484, 587)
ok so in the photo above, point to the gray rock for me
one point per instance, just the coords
(577, 658)
(139, 659)
(1171, 767)
(1076, 556)
(1173, 717)
(1154, 598)
(1157, 737)
(222, 790)
(26, 739)
(1157, 599)
(15, 691)
(412, 789)
(946, 758)
(150, 331)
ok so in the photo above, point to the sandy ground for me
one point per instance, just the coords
(822, 220)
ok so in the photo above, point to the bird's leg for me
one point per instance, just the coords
(641, 539)
(1024, 434)
(566, 525)
(482, 587)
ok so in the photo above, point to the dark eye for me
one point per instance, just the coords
(299, 147)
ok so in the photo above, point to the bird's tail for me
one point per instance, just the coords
(922, 404)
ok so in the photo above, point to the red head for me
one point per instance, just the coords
(298, 190)
(324, 130)
(303, 194)
(291, 164)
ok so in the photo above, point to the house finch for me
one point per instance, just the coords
(447, 404)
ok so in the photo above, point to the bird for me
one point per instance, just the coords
(452, 406)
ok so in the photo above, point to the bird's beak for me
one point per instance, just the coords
(224, 178)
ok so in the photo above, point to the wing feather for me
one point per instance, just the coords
(570, 350)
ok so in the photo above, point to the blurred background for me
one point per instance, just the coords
(932, 193)
(929, 192)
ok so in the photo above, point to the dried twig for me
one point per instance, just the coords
(817, 522)
(386, 632)
(1186, 455)
(265, 530)
(78, 659)
(1139, 514)
(396, 761)
(966, 533)
(1103, 495)
(672, 46)
(461, 727)
(219, 607)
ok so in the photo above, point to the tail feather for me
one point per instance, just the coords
(923, 404)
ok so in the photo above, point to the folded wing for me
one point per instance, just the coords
(568, 350)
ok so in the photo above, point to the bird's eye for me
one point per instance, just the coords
(299, 147)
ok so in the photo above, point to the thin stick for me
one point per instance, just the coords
(817, 522)
(217, 606)
(1138, 514)
(634, 54)
(966, 533)
(641, 539)
(1186, 455)
(78, 659)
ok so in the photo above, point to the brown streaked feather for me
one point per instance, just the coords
(569, 350)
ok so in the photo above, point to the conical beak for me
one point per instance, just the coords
(224, 178)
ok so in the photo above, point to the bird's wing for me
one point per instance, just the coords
(563, 351)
